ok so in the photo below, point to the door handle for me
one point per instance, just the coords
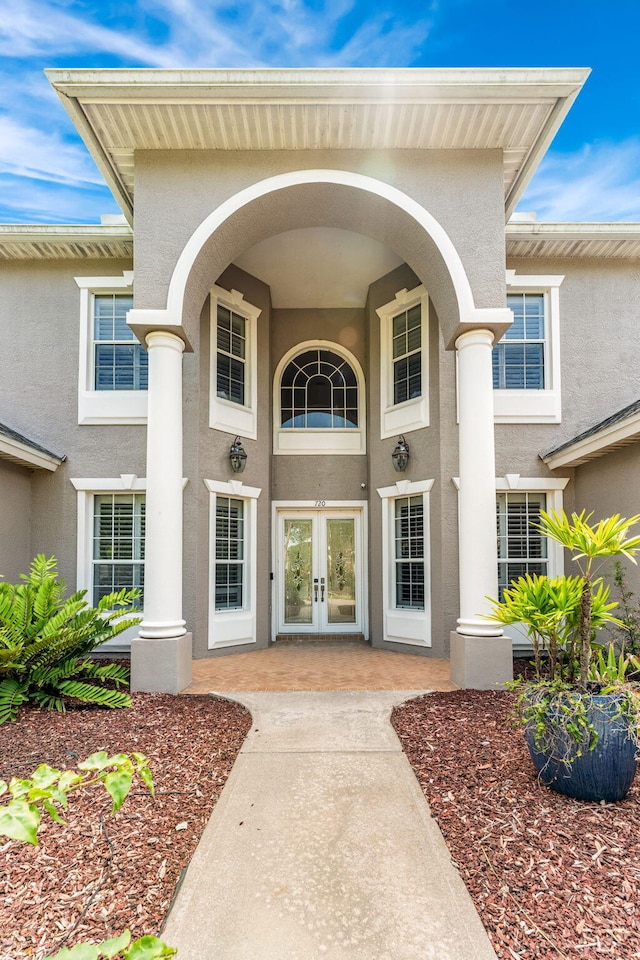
(321, 589)
(315, 590)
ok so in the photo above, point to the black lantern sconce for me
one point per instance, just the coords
(237, 456)
(400, 455)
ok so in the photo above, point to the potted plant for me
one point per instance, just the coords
(581, 714)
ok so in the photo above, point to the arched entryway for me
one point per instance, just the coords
(343, 199)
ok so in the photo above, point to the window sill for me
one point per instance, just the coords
(319, 442)
(527, 406)
(408, 626)
(112, 407)
(405, 417)
(230, 629)
(229, 417)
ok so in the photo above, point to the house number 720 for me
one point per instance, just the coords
(321, 503)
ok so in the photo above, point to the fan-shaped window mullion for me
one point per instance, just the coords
(319, 393)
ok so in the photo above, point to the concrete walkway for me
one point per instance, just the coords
(322, 846)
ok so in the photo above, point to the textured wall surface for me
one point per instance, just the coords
(609, 485)
(463, 190)
(15, 521)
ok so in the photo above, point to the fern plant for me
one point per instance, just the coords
(46, 642)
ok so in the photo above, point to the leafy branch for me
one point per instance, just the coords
(47, 791)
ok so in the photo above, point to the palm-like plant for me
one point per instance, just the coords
(46, 642)
(589, 543)
(549, 609)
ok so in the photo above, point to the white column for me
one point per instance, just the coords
(477, 497)
(163, 548)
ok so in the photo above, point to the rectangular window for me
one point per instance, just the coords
(521, 547)
(230, 559)
(120, 360)
(519, 358)
(406, 332)
(118, 543)
(409, 553)
(231, 356)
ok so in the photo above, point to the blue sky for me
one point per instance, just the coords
(592, 171)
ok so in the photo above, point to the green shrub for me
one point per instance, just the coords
(46, 642)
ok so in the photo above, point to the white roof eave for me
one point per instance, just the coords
(557, 87)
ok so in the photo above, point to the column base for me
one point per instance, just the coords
(480, 663)
(161, 666)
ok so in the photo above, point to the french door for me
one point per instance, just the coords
(320, 568)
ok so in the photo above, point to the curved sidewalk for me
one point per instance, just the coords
(322, 846)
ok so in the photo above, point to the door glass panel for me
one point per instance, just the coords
(297, 571)
(341, 592)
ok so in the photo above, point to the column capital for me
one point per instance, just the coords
(162, 338)
(479, 337)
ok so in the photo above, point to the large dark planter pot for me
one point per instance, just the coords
(604, 773)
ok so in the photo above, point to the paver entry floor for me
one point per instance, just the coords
(321, 666)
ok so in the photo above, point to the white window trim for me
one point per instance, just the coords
(103, 406)
(412, 414)
(87, 487)
(240, 420)
(319, 441)
(411, 627)
(554, 488)
(536, 406)
(232, 628)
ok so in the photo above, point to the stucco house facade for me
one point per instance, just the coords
(317, 269)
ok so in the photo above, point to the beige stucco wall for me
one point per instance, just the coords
(463, 190)
(15, 521)
(600, 357)
(40, 319)
(609, 485)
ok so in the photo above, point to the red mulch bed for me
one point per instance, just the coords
(550, 877)
(102, 873)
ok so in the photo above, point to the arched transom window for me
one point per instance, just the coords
(318, 390)
(319, 401)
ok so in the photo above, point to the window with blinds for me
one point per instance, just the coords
(519, 358)
(230, 554)
(231, 356)
(406, 333)
(521, 547)
(120, 360)
(118, 543)
(409, 553)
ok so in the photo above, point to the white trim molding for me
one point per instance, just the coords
(103, 406)
(406, 626)
(232, 628)
(319, 441)
(536, 406)
(553, 487)
(87, 488)
(411, 414)
(225, 415)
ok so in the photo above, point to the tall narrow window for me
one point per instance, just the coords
(120, 360)
(118, 543)
(231, 355)
(407, 355)
(522, 548)
(230, 554)
(409, 552)
(519, 358)
(404, 362)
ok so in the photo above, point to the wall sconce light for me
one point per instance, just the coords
(400, 455)
(237, 456)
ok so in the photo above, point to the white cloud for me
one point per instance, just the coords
(601, 182)
(35, 154)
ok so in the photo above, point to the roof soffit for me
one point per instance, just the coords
(119, 111)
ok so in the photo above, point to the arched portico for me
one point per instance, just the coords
(352, 201)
